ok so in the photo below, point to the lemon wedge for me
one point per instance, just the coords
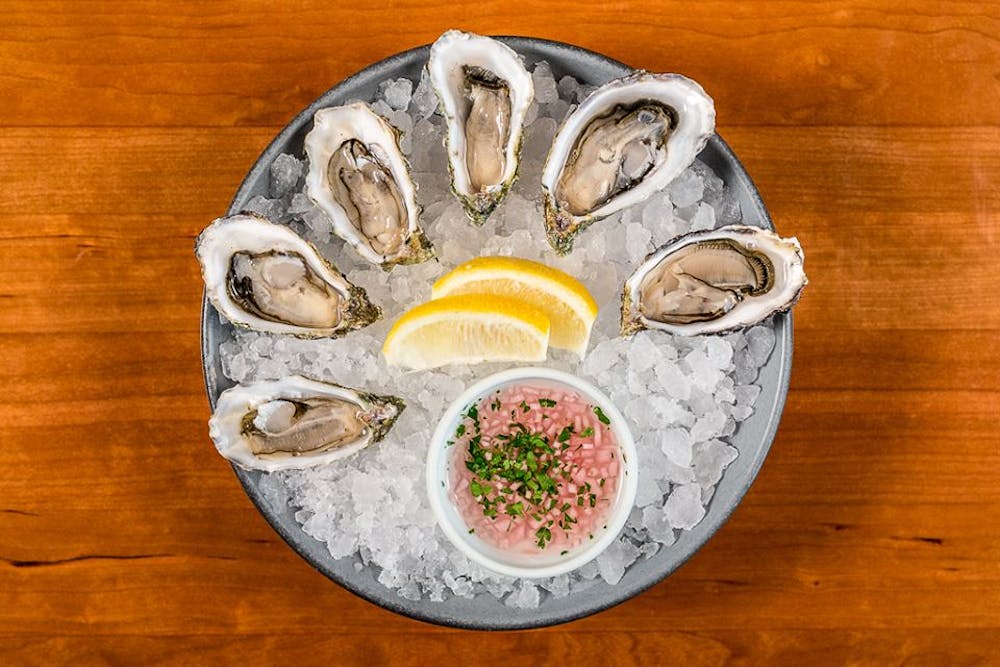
(467, 329)
(567, 303)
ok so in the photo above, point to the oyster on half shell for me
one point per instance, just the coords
(296, 422)
(629, 139)
(714, 281)
(265, 277)
(484, 93)
(360, 179)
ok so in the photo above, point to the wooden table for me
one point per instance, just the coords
(872, 536)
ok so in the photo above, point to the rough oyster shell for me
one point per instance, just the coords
(629, 139)
(265, 277)
(714, 281)
(484, 93)
(297, 422)
(360, 179)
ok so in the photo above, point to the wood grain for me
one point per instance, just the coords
(872, 535)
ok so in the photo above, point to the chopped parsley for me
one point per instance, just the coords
(603, 418)
(519, 474)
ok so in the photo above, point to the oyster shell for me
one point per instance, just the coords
(297, 422)
(360, 179)
(714, 281)
(265, 277)
(629, 139)
(484, 93)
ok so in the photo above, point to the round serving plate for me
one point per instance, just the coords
(752, 438)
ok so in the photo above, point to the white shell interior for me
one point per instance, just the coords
(226, 423)
(455, 49)
(695, 124)
(251, 233)
(331, 128)
(789, 279)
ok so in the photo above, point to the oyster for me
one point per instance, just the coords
(360, 179)
(296, 422)
(484, 92)
(629, 139)
(265, 277)
(714, 281)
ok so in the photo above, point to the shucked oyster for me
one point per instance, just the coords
(296, 422)
(265, 277)
(484, 92)
(629, 139)
(360, 179)
(714, 281)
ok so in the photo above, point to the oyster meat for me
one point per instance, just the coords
(714, 281)
(265, 277)
(360, 179)
(484, 93)
(297, 422)
(629, 139)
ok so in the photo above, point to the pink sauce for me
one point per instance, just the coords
(545, 469)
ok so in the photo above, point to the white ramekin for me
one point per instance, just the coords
(498, 560)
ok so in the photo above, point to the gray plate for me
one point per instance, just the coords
(752, 439)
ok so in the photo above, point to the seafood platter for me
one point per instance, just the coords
(496, 333)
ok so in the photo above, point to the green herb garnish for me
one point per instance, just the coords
(515, 509)
(518, 473)
(603, 418)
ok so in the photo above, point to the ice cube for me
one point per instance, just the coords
(710, 460)
(569, 89)
(613, 560)
(656, 524)
(683, 508)
(524, 597)
(718, 352)
(424, 101)
(677, 444)
(637, 244)
(272, 209)
(397, 92)
(546, 91)
(643, 353)
(686, 189)
(286, 170)
(558, 110)
(704, 218)
(760, 341)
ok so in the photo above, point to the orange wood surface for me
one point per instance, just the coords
(872, 535)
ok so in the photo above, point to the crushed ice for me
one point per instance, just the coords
(683, 396)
